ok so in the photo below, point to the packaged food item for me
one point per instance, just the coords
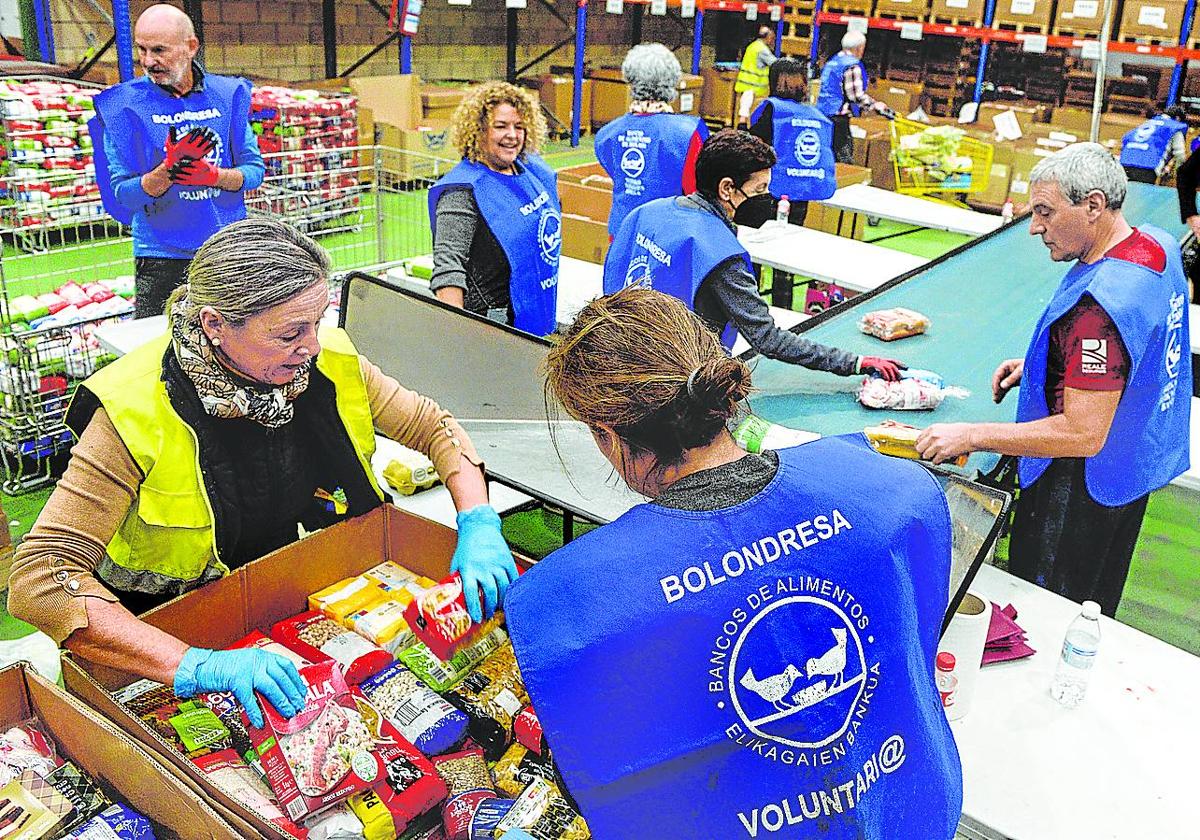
(518, 767)
(441, 676)
(423, 716)
(891, 324)
(411, 472)
(189, 725)
(118, 822)
(439, 618)
(229, 712)
(905, 395)
(336, 823)
(259, 639)
(488, 816)
(228, 771)
(469, 784)
(900, 441)
(25, 814)
(26, 747)
(85, 796)
(382, 622)
(934, 379)
(545, 814)
(527, 731)
(324, 754)
(342, 599)
(319, 638)
(491, 696)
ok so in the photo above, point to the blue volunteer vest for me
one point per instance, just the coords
(137, 115)
(766, 670)
(671, 248)
(1145, 147)
(644, 154)
(525, 216)
(830, 97)
(1147, 445)
(805, 169)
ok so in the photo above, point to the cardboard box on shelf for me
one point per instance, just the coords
(1082, 17)
(610, 95)
(1152, 20)
(717, 101)
(556, 94)
(584, 238)
(1075, 120)
(901, 97)
(960, 10)
(992, 199)
(417, 153)
(586, 190)
(256, 596)
(439, 103)
(123, 768)
(691, 94)
(1025, 13)
(829, 220)
(394, 100)
(1114, 126)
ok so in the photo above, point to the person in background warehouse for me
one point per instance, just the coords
(844, 93)
(1155, 147)
(1105, 386)
(850, 600)
(751, 80)
(1187, 179)
(496, 218)
(687, 247)
(175, 154)
(650, 152)
(210, 446)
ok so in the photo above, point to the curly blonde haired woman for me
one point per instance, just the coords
(496, 219)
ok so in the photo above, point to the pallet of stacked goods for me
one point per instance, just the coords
(797, 31)
(859, 8)
(1152, 22)
(906, 61)
(47, 175)
(949, 75)
(310, 144)
(1130, 95)
(1032, 16)
(957, 12)
(1044, 83)
(1080, 88)
(1082, 18)
(908, 10)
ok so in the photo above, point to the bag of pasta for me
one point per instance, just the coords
(891, 324)
(492, 696)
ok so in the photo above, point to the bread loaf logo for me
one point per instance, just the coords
(1094, 355)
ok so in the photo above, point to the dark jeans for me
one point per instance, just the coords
(843, 143)
(1142, 176)
(155, 279)
(1069, 543)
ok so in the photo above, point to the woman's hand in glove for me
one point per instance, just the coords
(483, 560)
(243, 672)
(888, 369)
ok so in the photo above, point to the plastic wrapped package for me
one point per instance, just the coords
(545, 814)
(84, 794)
(228, 771)
(468, 784)
(518, 767)
(336, 823)
(382, 622)
(189, 725)
(527, 731)
(439, 618)
(33, 809)
(905, 395)
(118, 822)
(891, 324)
(26, 747)
(318, 638)
(492, 695)
(423, 716)
(900, 441)
(442, 676)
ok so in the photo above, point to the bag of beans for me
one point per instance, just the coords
(319, 638)
(423, 716)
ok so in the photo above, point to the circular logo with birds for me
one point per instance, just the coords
(796, 672)
(808, 147)
(633, 162)
(639, 274)
(550, 236)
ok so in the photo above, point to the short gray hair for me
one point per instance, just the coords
(853, 40)
(250, 266)
(653, 73)
(1081, 169)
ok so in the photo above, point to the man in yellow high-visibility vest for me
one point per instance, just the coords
(752, 80)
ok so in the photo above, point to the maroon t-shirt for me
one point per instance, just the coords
(1086, 351)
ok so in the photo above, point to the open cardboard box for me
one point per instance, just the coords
(125, 771)
(256, 596)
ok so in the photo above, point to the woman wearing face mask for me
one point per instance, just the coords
(496, 218)
(688, 248)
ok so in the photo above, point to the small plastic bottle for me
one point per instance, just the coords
(947, 683)
(1006, 212)
(1078, 657)
(783, 210)
(755, 434)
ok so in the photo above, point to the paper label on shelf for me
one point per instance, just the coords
(1085, 9)
(1091, 49)
(1023, 7)
(687, 8)
(1019, 187)
(516, 4)
(776, 13)
(614, 7)
(751, 11)
(1033, 43)
(1007, 126)
(911, 31)
(1155, 16)
(686, 101)
(460, 2)
(857, 24)
(658, 7)
(957, 4)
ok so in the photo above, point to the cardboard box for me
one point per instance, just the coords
(1034, 14)
(1082, 17)
(691, 94)
(584, 238)
(830, 220)
(556, 94)
(586, 190)
(438, 104)
(718, 101)
(256, 596)
(412, 154)
(394, 100)
(1027, 115)
(610, 95)
(874, 127)
(1153, 20)
(901, 97)
(992, 199)
(1114, 126)
(959, 10)
(123, 769)
(1074, 120)
(902, 9)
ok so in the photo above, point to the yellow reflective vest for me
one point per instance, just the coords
(166, 544)
(750, 76)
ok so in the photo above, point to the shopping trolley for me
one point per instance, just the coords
(931, 160)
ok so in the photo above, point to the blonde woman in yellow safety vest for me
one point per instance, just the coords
(752, 80)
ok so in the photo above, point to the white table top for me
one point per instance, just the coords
(1194, 328)
(1118, 767)
(872, 201)
(833, 259)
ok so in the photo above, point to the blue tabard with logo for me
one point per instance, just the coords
(830, 97)
(671, 248)
(766, 670)
(525, 216)
(644, 154)
(1145, 147)
(1147, 444)
(805, 169)
(136, 117)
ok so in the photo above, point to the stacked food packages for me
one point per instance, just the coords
(44, 796)
(48, 176)
(393, 742)
(309, 140)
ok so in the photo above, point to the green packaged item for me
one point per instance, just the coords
(27, 308)
(441, 676)
(198, 727)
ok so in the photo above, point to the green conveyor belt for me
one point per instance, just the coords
(983, 303)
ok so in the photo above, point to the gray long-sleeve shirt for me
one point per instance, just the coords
(730, 293)
(467, 255)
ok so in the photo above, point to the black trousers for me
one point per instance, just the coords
(843, 143)
(1066, 541)
(1142, 176)
(155, 278)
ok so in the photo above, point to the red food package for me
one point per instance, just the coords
(259, 639)
(324, 754)
(527, 731)
(320, 639)
(95, 291)
(226, 770)
(439, 618)
(71, 292)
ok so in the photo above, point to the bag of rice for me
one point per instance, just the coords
(441, 676)
(891, 324)
(421, 714)
(411, 788)
(319, 638)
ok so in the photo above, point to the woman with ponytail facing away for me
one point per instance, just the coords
(755, 644)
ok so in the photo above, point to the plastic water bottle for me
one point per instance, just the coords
(783, 210)
(1006, 212)
(1078, 656)
(755, 435)
(947, 683)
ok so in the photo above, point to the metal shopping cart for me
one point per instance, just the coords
(936, 160)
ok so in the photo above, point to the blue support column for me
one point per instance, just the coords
(580, 44)
(405, 54)
(1189, 13)
(779, 35)
(697, 39)
(45, 30)
(816, 39)
(124, 38)
(988, 12)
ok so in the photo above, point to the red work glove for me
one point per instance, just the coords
(194, 173)
(194, 145)
(888, 369)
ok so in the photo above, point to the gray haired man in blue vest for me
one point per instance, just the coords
(1155, 147)
(844, 93)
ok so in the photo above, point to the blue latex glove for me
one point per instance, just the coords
(483, 560)
(243, 672)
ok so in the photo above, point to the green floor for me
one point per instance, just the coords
(1161, 593)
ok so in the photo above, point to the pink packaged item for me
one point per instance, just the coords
(318, 638)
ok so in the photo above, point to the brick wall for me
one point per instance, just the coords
(282, 39)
